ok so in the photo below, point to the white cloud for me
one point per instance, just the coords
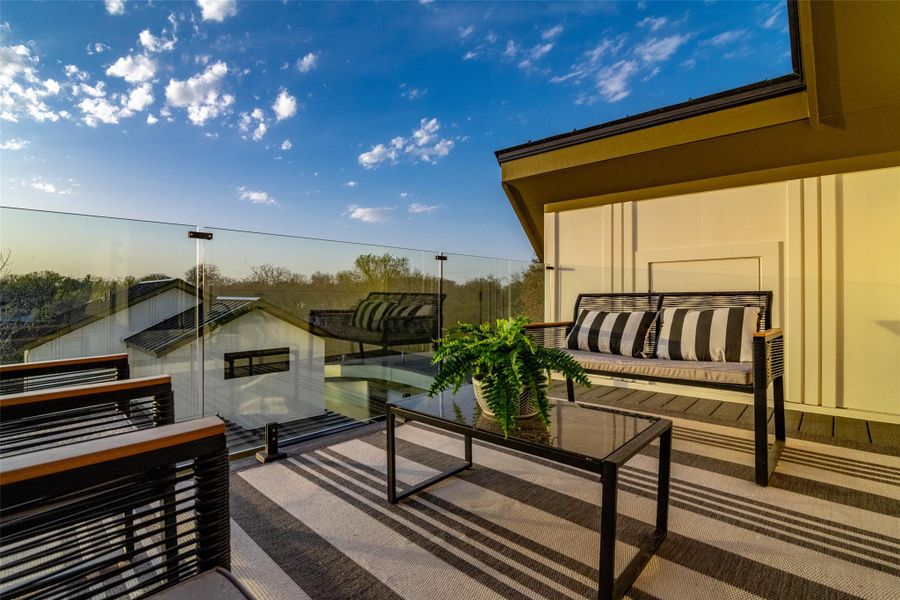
(613, 82)
(552, 33)
(73, 72)
(470, 55)
(656, 50)
(351, 184)
(511, 49)
(254, 120)
(413, 93)
(727, 37)
(140, 97)
(416, 208)
(39, 184)
(217, 10)
(308, 62)
(151, 43)
(151, 120)
(424, 144)
(772, 17)
(96, 48)
(255, 197)
(653, 23)
(465, 32)
(201, 94)
(115, 7)
(14, 144)
(133, 68)
(536, 53)
(285, 105)
(22, 93)
(368, 214)
(286, 145)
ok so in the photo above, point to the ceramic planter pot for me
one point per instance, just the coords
(526, 404)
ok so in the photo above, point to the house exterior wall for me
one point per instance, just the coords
(829, 247)
(254, 401)
(105, 335)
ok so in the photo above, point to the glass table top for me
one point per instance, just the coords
(590, 431)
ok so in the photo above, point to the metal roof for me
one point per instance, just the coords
(178, 330)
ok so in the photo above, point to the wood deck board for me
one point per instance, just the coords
(704, 407)
(851, 430)
(681, 403)
(729, 411)
(657, 400)
(817, 424)
(885, 434)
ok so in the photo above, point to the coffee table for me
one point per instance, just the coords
(593, 438)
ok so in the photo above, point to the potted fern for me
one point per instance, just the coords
(510, 371)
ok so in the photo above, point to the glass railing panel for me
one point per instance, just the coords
(482, 289)
(75, 285)
(312, 334)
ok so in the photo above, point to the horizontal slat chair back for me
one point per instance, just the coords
(123, 516)
(698, 300)
(32, 376)
(52, 417)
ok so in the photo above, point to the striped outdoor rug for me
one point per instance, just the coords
(318, 526)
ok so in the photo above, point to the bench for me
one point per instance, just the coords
(755, 377)
(30, 376)
(132, 515)
(422, 328)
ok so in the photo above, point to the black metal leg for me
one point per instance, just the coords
(608, 518)
(662, 491)
(778, 386)
(391, 458)
(760, 434)
(393, 496)
(570, 390)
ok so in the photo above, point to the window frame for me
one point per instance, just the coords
(232, 357)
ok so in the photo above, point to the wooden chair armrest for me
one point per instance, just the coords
(151, 385)
(52, 461)
(769, 334)
(63, 365)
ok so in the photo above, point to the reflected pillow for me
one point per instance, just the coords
(370, 314)
(622, 333)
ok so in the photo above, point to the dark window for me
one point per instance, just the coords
(257, 362)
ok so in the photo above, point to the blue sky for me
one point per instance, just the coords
(369, 122)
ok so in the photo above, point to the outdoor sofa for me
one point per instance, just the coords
(689, 350)
(384, 319)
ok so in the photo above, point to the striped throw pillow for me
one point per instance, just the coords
(370, 314)
(409, 310)
(610, 332)
(715, 334)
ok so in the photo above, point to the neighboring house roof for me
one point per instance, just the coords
(97, 309)
(178, 330)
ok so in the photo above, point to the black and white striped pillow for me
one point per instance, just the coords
(409, 310)
(715, 334)
(371, 313)
(612, 333)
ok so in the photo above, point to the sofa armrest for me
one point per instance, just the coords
(768, 355)
(550, 335)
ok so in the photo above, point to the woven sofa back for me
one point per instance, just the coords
(405, 297)
(655, 301)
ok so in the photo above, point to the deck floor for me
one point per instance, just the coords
(840, 431)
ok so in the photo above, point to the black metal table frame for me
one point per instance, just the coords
(608, 588)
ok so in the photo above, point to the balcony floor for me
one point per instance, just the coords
(318, 526)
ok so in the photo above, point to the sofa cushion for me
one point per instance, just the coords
(370, 314)
(409, 310)
(715, 334)
(734, 373)
(611, 332)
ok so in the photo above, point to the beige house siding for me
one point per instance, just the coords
(829, 247)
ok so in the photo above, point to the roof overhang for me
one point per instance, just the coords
(842, 115)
